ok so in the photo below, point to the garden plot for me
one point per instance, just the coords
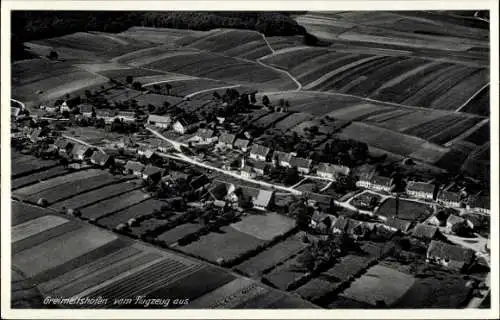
(265, 226)
(94, 196)
(408, 210)
(318, 287)
(172, 236)
(103, 208)
(38, 176)
(287, 274)
(380, 284)
(271, 257)
(22, 212)
(135, 211)
(227, 244)
(25, 165)
(34, 226)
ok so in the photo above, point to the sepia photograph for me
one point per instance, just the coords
(249, 159)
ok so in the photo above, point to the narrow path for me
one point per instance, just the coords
(299, 183)
(211, 89)
(267, 43)
(472, 97)
(177, 145)
(328, 185)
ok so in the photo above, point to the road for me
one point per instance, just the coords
(472, 97)
(177, 145)
(212, 89)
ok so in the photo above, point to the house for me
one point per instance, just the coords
(146, 151)
(421, 190)
(241, 144)
(263, 200)
(159, 121)
(260, 168)
(204, 135)
(107, 116)
(152, 172)
(184, 125)
(163, 146)
(480, 203)
(226, 140)
(101, 159)
(453, 221)
(439, 219)
(259, 152)
(199, 183)
(134, 167)
(331, 171)
(247, 171)
(86, 110)
(449, 199)
(282, 159)
(341, 225)
(303, 165)
(396, 224)
(377, 183)
(35, 135)
(126, 116)
(63, 145)
(322, 222)
(64, 107)
(81, 152)
(451, 256)
(425, 232)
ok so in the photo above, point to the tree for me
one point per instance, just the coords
(168, 86)
(307, 260)
(461, 229)
(216, 95)
(281, 102)
(129, 79)
(53, 55)
(292, 176)
(265, 100)
(252, 98)
(137, 85)
(100, 123)
(151, 108)
(156, 87)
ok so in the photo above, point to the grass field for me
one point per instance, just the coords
(265, 226)
(38, 176)
(25, 164)
(173, 235)
(380, 284)
(408, 210)
(105, 207)
(286, 275)
(158, 35)
(135, 211)
(34, 226)
(22, 212)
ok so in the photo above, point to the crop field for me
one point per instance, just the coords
(227, 244)
(481, 135)
(292, 120)
(245, 44)
(158, 35)
(22, 212)
(56, 252)
(122, 73)
(186, 87)
(323, 26)
(286, 275)
(265, 226)
(38, 176)
(173, 235)
(54, 182)
(384, 139)
(211, 65)
(100, 209)
(450, 292)
(480, 104)
(361, 111)
(408, 210)
(318, 287)
(380, 284)
(349, 267)
(29, 228)
(26, 164)
(146, 56)
(93, 196)
(278, 43)
(135, 211)
(269, 120)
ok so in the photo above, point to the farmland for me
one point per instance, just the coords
(25, 165)
(38, 176)
(264, 226)
(408, 210)
(106, 207)
(135, 211)
(158, 35)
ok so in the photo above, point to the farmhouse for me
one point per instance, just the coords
(263, 200)
(184, 125)
(134, 167)
(448, 255)
(425, 232)
(81, 152)
(146, 151)
(377, 183)
(259, 152)
(204, 135)
(421, 190)
(226, 140)
(453, 221)
(449, 199)
(126, 116)
(241, 144)
(330, 171)
(64, 107)
(159, 121)
(303, 165)
(247, 171)
(261, 168)
(107, 116)
(152, 172)
(63, 145)
(101, 159)
(396, 224)
(479, 204)
(86, 110)
(282, 159)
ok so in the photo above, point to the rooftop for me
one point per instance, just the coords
(300, 162)
(380, 180)
(152, 170)
(425, 231)
(420, 186)
(260, 150)
(227, 138)
(449, 196)
(448, 251)
(398, 224)
(333, 168)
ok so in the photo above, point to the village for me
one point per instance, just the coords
(212, 161)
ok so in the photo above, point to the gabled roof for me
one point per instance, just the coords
(453, 219)
(99, 157)
(187, 121)
(247, 168)
(157, 118)
(241, 143)
(152, 170)
(260, 165)
(448, 251)
(398, 224)
(79, 149)
(205, 133)
(420, 186)
(227, 138)
(263, 199)
(260, 150)
(134, 166)
(61, 143)
(333, 168)
(480, 202)
(300, 162)
(449, 196)
(104, 113)
(219, 191)
(425, 231)
(383, 181)
(200, 181)
(282, 156)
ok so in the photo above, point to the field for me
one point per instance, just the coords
(408, 210)
(318, 287)
(228, 244)
(102, 208)
(480, 104)
(90, 197)
(25, 164)
(245, 44)
(292, 120)
(279, 43)
(38, 176)
(29, 228)
(481, 135)
(22, 212)
(264, 226)
(379, 284)
(286, 275)
(190, 86)
(349, 267)
(135, 211)
(173, 235)
(158, 35)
